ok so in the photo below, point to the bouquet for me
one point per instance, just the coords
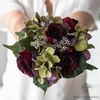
(50, 48)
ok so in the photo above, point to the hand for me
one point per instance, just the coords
(14, 21)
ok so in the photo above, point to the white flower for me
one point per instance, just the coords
(38, 41)
(62, 45)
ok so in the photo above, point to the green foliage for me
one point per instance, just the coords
(16, 48)
(42, 86)
(21, 35)
(82, 66)
(20, 46)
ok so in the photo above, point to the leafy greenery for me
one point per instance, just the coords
(42, 86)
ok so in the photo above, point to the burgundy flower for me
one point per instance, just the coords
(24, 62)
(55, 31)
(71, 22)
(69, 61)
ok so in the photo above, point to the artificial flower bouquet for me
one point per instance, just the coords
(50, 48)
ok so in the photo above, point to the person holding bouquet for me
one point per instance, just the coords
(13, 14)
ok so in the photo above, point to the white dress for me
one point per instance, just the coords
(17, 86)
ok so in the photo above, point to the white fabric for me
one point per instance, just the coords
(18, 86)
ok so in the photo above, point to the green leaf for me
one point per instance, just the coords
(25, 43)
(44, 86)
(20, 46)
(21, 35)
(82, 66)
(90, 67)
(90, 46)
(16, 48)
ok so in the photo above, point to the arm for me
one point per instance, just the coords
(84, 18)
(86, 11)
(14, 21)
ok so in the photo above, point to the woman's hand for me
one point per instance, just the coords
(14, 21)
(84, 18)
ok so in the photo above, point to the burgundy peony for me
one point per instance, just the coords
(55, 31)
(69, 61)
(71, 22)
(24, 62)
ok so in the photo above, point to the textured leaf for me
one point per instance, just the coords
(25, 43)
(16, 48)
(21, 35)
(20, 45)
(91, 67)
(81, 68)
(42, 86)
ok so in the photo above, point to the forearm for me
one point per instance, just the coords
(84, 18)
(14, 21)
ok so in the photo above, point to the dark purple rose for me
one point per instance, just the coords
(55, 31)
(71, 23)
(69, 61)
(24, 62)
